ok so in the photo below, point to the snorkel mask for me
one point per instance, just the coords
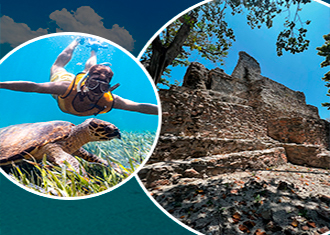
(93, 84)
(103, 87)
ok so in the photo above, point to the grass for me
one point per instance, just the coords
(124, 156)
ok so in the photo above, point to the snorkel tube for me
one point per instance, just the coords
(87, 74)
(81, 81)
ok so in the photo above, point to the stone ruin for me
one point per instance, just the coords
(217, 123)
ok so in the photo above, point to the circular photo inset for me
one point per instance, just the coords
(244, 146)
(80, 116)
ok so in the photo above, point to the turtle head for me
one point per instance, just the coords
(101, 130)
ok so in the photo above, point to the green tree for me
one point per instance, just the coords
(324, 50)
(206, 31)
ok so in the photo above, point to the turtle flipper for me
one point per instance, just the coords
(87, 156)
(57, 155)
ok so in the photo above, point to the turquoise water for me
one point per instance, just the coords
(32, 62)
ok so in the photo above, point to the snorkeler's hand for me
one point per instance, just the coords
(95, 45)
(80, 40)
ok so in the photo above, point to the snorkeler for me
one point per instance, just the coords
(87, 93)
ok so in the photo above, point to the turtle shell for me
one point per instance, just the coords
(18, 140)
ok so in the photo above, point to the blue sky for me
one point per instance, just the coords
(300, 72)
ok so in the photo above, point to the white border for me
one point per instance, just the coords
(322, 2)
(139, 57)
(167, 24)
(184, 12)
(165, 211)
(159, 115)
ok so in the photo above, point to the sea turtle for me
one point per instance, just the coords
(58, 140)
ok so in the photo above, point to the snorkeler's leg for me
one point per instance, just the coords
(91, 61)
(64, 57)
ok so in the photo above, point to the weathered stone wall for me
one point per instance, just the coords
(215, 113)
(203, 113)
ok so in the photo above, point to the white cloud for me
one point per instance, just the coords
(78, 22)
(17, 33)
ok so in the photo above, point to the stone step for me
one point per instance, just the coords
(309, 155)
(173, 147)
(168, 173)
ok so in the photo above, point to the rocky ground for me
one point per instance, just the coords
(288, 199)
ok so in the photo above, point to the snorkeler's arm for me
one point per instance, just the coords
(56, 88)
(120, 103)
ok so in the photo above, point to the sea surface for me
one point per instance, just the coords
(32, 62)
